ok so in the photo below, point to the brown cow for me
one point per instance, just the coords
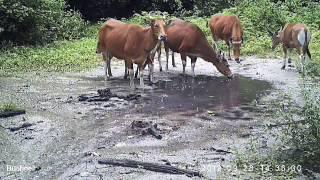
(293, 36)
(189, 40)
(228, 29)
(129, 42)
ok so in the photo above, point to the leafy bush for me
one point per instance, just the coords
(94, 10)
(38, 21)
(208, 8)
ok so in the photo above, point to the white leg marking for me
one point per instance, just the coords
(184, 63)
(141, 77)
(151, 68)
(192, 67)
(131, 74)
(106, 70)
(167, 58)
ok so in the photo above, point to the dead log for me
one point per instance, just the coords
(23, 126)
(11, 113)
(149, 166)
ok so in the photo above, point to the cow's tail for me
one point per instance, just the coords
(307, 40)
(308, 52)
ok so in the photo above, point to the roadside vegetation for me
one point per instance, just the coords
(49, 37)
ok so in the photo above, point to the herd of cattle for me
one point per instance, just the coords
(137, 45)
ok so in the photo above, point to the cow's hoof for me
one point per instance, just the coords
(283, 67)
(289, 60)
(161, 69)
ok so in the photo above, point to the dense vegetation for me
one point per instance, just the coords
(68, 42)
(38, 21)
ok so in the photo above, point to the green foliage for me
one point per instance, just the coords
(94, 10)
(38, 21)
(301, 140)
(208, 8)
(7, 107)
(61, 56)
(306, 137)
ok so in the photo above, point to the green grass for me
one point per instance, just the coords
(60, 56)
(7, 107)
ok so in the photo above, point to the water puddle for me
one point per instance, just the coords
(183, 93)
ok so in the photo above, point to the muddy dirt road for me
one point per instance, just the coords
(203, 121)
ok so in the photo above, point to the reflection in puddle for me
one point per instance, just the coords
(182, 93)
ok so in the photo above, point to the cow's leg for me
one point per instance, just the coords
(184, 62)
(229, 49)
(125, 70)
(193, 65)
(302, 58)
(166, 48)
(173, 62)
(141, 69)
(131, 74)
(159, 58)
(109, 64)
(106, 65)
(289, 58)
(136, 73)
(151, 69)
(285, 52)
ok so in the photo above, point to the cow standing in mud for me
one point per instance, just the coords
(131, 43)
(295, 36)
(228, 29)
(189, 40)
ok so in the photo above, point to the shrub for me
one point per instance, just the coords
(94, 10)
(38, 21)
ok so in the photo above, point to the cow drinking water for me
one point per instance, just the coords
(293, 36)
(129, 42)
(228, 29)
(189, 40)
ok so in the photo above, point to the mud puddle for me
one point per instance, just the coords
(201, 93)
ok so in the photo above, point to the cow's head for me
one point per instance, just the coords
(275, 39)
(236, 43)
(222, 65)
(99, 47)
(158, 27)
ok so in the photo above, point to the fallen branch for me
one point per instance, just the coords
(220, 150)
(149, 166)
(24, 125)
(12, 113)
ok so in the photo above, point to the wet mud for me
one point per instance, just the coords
(202, 121)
